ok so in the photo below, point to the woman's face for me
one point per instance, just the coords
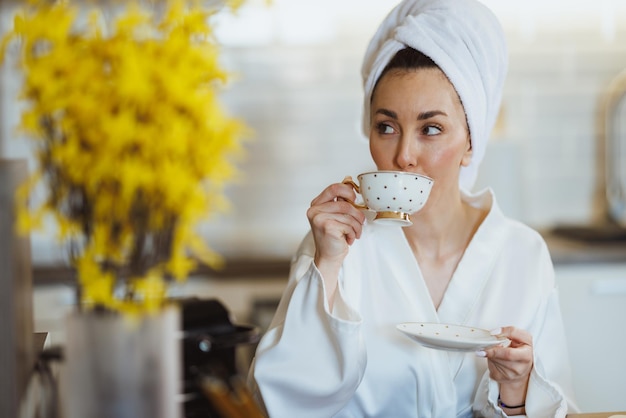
(419, 125)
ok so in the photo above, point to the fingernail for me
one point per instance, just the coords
(496, 331)
(481, 354)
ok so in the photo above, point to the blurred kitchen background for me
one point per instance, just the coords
(298, 87)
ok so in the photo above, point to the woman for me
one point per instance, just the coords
(433, 76)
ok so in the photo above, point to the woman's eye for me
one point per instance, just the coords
(383, 128)
(432, 130)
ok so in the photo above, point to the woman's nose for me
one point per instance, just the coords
(406, 154)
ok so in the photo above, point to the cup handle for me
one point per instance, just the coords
(348, 180)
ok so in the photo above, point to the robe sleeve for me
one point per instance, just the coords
(550, 391)
(310, 361)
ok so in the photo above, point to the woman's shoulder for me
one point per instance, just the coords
(521, 232)
(515, 231)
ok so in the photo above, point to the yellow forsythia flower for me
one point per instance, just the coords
(132, 143)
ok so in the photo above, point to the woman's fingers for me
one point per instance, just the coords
(337, 226)
(509, 354)
(516, 335)
(336, 200)
(513, 362)
(335, 222)
(520, 345)
(341, 212)
(335, 192)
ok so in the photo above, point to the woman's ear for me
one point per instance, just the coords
(467, 156)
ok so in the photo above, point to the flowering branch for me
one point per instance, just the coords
(132, 144)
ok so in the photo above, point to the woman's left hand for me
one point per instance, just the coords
(511, 366)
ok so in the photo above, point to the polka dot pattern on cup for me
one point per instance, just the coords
(395, 191)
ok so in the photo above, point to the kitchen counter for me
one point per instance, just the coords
(573, 247)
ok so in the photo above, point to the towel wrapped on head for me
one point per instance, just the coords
(465, 39)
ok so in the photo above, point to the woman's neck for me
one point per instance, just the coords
(438, 239)
(437, 232)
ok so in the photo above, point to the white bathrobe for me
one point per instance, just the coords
(353, 362)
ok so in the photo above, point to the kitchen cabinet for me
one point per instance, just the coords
(593, 302)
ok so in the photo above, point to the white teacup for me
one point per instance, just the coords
(393, 195)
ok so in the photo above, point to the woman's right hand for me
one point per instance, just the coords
(335, 224)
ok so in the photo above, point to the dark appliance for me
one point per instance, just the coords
(210, 341)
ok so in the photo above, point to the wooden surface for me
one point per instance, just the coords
(235, 268)
(597, 415)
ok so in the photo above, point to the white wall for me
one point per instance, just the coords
(298, 86)
(304, 100)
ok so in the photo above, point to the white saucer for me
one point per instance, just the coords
(451, 337)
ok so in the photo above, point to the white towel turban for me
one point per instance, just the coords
(466, 40)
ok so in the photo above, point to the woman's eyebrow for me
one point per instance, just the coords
(431, 113)
(422, 116)
(389, 113)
